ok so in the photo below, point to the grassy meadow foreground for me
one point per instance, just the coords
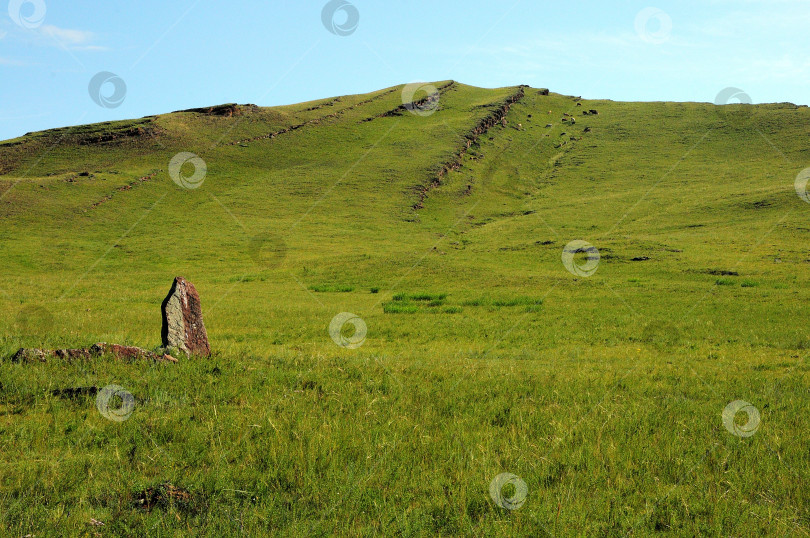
(483, 354)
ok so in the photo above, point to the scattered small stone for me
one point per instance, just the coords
(162, 496)
(75, 392)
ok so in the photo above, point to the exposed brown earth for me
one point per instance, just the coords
(163, 496)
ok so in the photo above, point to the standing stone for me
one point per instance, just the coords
(183, 326)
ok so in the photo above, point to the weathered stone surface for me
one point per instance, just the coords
(183, 326)
(121, 352)
(129, 352)
(29, 355)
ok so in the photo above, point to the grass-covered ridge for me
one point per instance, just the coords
(483, 354)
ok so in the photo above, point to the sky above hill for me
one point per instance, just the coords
(68, 63)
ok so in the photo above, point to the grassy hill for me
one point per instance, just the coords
(444, 231)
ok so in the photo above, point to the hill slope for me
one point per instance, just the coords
(357, 203)
(444, 232)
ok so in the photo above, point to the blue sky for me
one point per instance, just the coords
(190, 53)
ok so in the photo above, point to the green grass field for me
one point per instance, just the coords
(483, 353)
